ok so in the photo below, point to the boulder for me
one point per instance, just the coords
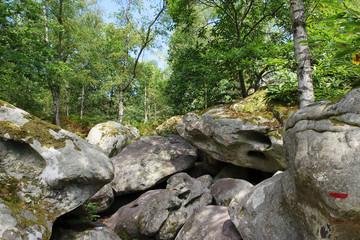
(209, 223)
(132, 132)
(188, 194)
(318, 197)
(246, 139)
(161, 213)
(224, 190)
(169, 126)
(149, 160)
(125, 222)
(206, 180)
(111, 137)
(86, 232)
(45, 172)
(103, 199)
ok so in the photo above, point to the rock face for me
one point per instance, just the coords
(111, 137)
(224, 190)
(245, 139)
(209, 223)
(150, 160)
(318, 197)
(44, 172)
(161, 213)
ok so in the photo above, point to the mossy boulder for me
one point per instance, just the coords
(45, 172)
(169, 126)
(254, 103)
(110, 136)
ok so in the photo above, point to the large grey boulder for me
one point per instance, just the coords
(318, 197)
(45, 172)
(224, 190)
(209, 223)
(161, 213)
(110, 136)
(246, 139)
(149, 160)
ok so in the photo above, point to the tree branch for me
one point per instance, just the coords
(145, 44)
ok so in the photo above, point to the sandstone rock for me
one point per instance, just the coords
(169, 126)
(86, 232)
(111, 137)
(224, 190)
(187, 194)
(209, 223)
(252, 140)
(206, 180)
(318, 197)
(44, 172)
(161, 213)
(103, 198)
(132, 132)
(125, 222)
(148, 161)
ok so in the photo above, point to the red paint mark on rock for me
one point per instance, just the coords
(339, 195)
(174, 189)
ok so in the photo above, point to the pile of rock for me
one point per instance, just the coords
(47, 172)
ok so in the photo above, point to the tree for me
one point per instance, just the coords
(233, 46)
(302, 53)
(129, 75)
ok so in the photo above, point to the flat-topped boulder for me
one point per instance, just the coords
(45, 172)
(150, 160)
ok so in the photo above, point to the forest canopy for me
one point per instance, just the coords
(60, 61)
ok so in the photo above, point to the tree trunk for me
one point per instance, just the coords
(56, 101)
(302, 53)
(121, 106)
(82, 102)
(242, 84)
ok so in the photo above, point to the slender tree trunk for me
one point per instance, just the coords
(56, 101)
(121, 107)
(302, 53)
(82, 102)
(145, 105)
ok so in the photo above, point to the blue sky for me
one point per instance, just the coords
(159, 55)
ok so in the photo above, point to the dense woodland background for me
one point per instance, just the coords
(61, 62)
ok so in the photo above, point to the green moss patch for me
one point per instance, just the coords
(30, 212)
(35, 129)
